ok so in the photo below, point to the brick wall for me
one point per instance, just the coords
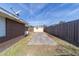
(14, 29)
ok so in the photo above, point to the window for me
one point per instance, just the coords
(2, 27)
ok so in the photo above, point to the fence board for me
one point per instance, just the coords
(67, 31)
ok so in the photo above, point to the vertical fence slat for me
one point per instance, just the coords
(67, 31)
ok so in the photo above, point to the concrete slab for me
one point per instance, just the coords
(40, 38)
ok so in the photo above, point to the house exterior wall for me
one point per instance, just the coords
(14, 29)
(10, 29)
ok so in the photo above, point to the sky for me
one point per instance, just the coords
(44, 13)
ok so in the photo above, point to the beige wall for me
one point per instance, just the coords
(39, 29)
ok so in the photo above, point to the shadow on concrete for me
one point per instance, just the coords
(7, 44)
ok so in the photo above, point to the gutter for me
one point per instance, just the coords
(5, 13)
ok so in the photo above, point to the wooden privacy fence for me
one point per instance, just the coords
(67, 31)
